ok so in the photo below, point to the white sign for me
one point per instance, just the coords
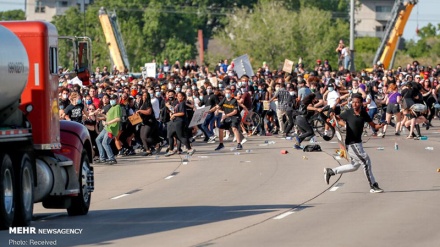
(199, 116)
(242, 66)
(149, 70)
(288, 66)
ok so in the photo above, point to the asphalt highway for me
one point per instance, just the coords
(257, 198)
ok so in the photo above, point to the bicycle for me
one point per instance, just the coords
(320, 120)
(252, 126)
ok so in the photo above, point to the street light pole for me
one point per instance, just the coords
(352, 68)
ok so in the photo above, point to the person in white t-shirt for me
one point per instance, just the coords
(372, 109)
(333, 99)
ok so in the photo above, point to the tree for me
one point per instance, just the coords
(272, 33)
(12, 15)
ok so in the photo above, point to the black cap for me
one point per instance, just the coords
(114, 96)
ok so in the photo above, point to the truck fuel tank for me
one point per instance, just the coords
(14, 67)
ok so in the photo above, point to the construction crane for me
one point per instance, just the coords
(394, 30)
(114, 40)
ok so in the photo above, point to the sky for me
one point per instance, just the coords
(423, 13)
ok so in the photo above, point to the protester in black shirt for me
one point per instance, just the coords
(75, 111)
(354, 119)
(148, 132)
(177, 125)
(230, 119)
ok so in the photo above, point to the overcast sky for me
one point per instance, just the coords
(423, 13)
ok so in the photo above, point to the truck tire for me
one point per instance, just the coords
(81, 203)
(7, 202)
(24, 193)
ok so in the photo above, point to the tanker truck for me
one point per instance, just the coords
(42, 159)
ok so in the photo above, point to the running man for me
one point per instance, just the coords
(354, 119)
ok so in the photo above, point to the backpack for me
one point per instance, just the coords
(312, 148)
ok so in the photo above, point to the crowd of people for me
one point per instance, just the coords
(285, 102)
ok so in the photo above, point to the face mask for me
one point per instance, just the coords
(240, 83)
(313, 90)
(170, 86)
(89, 102)
(64, 96)
(112, 102)
(171, 98)
(194, 88)
(157, 94)
(255, 88)
(151, 95)
(209, 91)
(228, 95)
(292, 93)
(178, 89)
(349, 91)
(244, 90)
(260, 90)
(277, 88)
(78, 101)
(251, 83)
(220, 85)
(188, 95)
(330, 89)
(201, 97)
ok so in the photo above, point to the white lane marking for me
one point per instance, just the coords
(279, 217)
(333, 142)
(169, 177)
(336, 187)
(338, 157)
(185, 163)
(117, 197)
(245, 161)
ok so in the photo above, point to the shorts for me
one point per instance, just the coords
(393, 108)
(230, 122)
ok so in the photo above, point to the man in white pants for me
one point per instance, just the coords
(354, 120)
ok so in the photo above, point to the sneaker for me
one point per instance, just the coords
(243, 141)
(212, 139)
(374, 134)
(325, 132)
(297, 147)
(191, 151)
(121, 152)
(328, 172)
(130, 152)
(234, 140)
(381, 134)
(226, 137)
(365, 133)
(98, 161)
(375, 188)
(192, 139)
(111, 162)
(397, 134)
(220, 147)
(239, 147)
(169, 153)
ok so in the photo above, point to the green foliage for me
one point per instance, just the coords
(366, 44)
(272, 33)
(12, 15)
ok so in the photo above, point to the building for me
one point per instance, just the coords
(45, 10)
(372, 17)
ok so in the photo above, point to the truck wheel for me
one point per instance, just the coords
(24, 193)
(81, 203)
(7, 202)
